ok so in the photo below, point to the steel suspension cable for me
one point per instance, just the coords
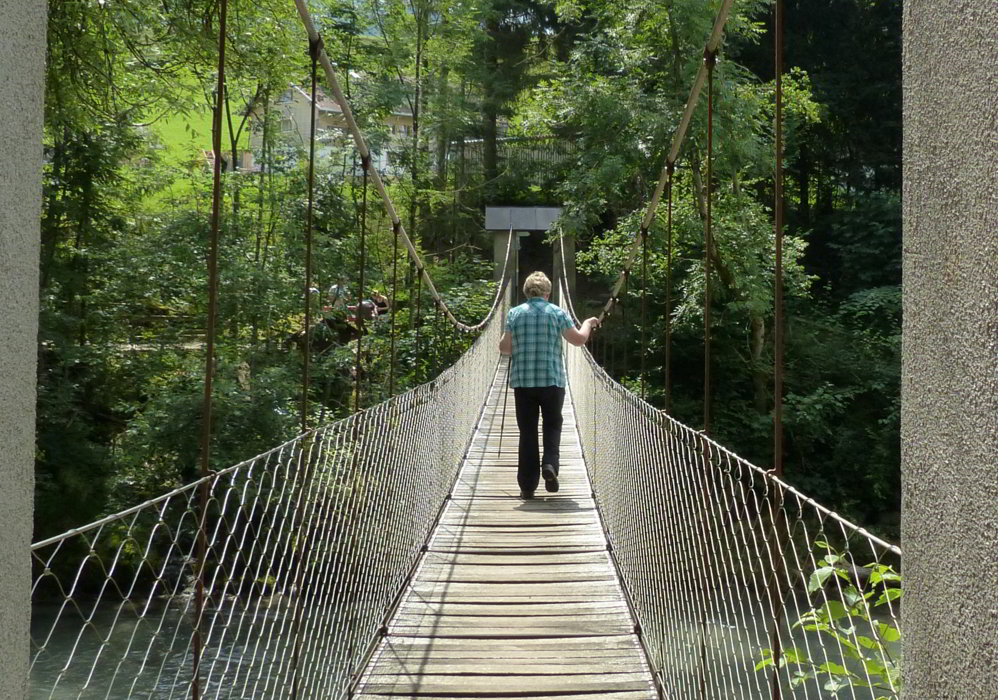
(418, 319)
(209, 364)
(778, 284)
(395, 289)
(776, 595)
(710, 59)
(313, 50)
(365, 153)
(644, 310)
(305, 462)
(624, 326)
(360, 292)
(668, 298)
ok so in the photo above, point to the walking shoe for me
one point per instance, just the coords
(550, 478)
(526, 495)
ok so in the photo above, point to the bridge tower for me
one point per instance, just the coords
(22, 76)
(949, 420)
(531, 250)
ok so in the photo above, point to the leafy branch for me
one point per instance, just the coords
(867, 661)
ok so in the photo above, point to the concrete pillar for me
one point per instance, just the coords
(22, 65)
(949, 421)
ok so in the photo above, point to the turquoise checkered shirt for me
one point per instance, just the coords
(536, 327)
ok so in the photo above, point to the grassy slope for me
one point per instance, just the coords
(184, 138)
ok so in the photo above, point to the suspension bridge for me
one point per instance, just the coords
(386, 554)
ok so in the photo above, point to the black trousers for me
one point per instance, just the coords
(532, 402)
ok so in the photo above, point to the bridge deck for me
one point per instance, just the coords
(514, 598)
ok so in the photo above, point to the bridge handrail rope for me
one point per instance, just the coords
(365, 153)
(704, 549)
(307, 548)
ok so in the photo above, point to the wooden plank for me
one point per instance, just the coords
(414, 605)
(507, 559)
(505, 574)
(526, 548)
(472, 657)
(533, 539)
(493, 667)
(548, 503)
(622, 695)
(554, 516)
(562, 526)
(540, 520)
(551, 536)
(534, 646)
(554, 591)
(529, 685)
(532, 629)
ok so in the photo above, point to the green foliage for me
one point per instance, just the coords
(869, 646)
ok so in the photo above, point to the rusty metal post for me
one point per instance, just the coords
(209, 363)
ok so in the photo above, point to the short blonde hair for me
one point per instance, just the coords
(537, 284)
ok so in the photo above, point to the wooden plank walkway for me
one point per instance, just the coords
(514, 598)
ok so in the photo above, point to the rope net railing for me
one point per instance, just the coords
(307, 547)
(728, 567)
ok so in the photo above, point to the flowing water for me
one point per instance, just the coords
(117, 653)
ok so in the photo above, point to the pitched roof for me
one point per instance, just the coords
(325, 103)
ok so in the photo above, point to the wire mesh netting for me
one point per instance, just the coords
(308, 546)
(739, 582)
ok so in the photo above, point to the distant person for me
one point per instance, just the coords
(337, 297)
(533, 336)
(368, 311)
(381, 302)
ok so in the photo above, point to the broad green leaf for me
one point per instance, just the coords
(819, 577)
(875, 668)
(852, 596)
(889, 633)
(888, 595)
(799, 677)
(765, 663)
(795, 655)
(835, 610)
(867, 643)
(832, 667)
(834, 685)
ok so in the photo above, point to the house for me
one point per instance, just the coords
(294, 107)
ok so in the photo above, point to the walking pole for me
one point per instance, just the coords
(505, 396)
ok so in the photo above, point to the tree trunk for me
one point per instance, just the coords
(490, 112)
(443, 133)
(414, 166)
(261, 205)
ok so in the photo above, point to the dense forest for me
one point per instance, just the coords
(570, 103)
